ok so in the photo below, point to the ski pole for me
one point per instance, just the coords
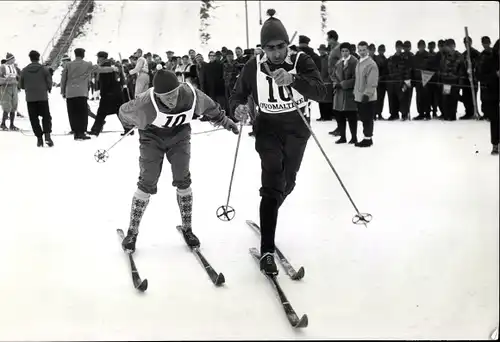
(101, 156)
(359, 218)
(226, 212)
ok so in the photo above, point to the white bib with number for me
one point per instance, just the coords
(10, 70)
(166, 120)
(274, 99)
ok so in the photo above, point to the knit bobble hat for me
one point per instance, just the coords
(164, 81)
(272, 29)
(9, 56)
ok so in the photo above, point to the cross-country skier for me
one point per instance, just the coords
(162, 114)
(280, 133)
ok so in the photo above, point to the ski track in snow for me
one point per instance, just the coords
(426, 267)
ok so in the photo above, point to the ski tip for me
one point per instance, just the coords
(300, 274)
(220, 280)
(303, 322)
(143, 285)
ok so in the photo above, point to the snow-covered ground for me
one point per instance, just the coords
(426, 267)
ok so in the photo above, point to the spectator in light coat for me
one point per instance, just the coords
(142, 71)
(365, 92)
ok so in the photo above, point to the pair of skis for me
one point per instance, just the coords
(292, 316)
(142, 285)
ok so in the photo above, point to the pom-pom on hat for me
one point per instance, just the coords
(164, 82)
(272, 29)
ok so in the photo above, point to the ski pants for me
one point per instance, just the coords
(155, 143)
(8, 98)
(281, 147)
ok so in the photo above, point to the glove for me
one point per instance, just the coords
(282, 77)
(230, 125)
(408, 83)
(241, 113)
(365, 99)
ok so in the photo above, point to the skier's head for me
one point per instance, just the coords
(166, 87)
(274, 39)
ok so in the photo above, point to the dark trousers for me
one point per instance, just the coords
(399, 100)
(366, 113)
(450, 103)
(326, 110)
(491, 110)
(434, 97)
(78, 114)
(468, 101)
(106, 102)
(36, 109)
(228, 89)
(281, 147)
(423, 100)
(381, 90)
(351, 118)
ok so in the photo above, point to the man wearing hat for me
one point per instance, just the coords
(8, 91)
(163, 115)
(112, 96)
(280, 133)
(141, 69)
(75, 81)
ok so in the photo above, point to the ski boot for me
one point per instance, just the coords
(190, 239)
(128, 243)
(268, 265)
(48, 140)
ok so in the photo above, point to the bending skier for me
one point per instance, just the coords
(163, 115)
(280, 133)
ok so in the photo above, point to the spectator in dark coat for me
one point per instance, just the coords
(399, 78)
(483, 56)
(488, 75)
(452, 76)
(304, 46)
(421, 62)
(343, 99)
(230, 72)
(111, 94)
(214, 80)
(381, 61)
(333, 57)
(469, 91)
(37, 82)
(325, 106)
(200, 71)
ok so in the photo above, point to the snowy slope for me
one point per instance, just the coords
(159, 26)
(29, 25)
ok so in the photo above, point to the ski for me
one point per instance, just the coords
(289, 269)
(217, 278)
(141, 285)
(292, 316)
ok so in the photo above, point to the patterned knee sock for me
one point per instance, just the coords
(185, 201)
(139, 204)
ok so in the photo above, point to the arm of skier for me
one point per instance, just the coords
(135, 113)
(205, 106)
(308, 80)
(242, 89)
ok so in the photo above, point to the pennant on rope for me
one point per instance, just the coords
(426, 76)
